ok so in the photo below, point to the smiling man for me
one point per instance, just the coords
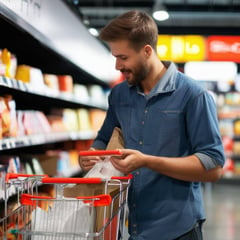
(170, 129)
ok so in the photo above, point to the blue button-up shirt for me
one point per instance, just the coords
(177, 118)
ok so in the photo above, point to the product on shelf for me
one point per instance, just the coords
(56, 122)
(81, 92)
(97, 117)
(65, 165)
(11, 105)
(51, 81)
(20, 125)
(237, 127)
(65, 83)
(63, 120)
(8, 63)
(55, 162)
(32, 75)
(8, 117)
(35, 122)
(232, 98)
(229, 168)
(70, 119)
(236, 148)
(228, 145)
(84, 120)
(5, 118)
(97, 95)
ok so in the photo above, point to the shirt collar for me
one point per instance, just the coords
(166, 83)
(168, 80)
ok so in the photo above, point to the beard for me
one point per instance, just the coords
(137, 75)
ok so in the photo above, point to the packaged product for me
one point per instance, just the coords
(8, 63)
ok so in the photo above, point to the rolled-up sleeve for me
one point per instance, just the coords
(203, 131)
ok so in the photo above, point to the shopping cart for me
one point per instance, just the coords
(14, 186)
(68, 216)
(82, 208)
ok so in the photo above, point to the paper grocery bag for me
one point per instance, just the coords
(116, 141)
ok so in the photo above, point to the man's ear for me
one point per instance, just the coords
(148, 50)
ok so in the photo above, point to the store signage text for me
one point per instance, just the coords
(198, 48)
(181, 48)
(223, 48)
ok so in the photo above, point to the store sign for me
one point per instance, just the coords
(181, 48)
(223, 48)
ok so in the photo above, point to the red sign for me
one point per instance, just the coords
(223, 48)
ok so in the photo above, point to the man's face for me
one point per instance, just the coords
(131, 63)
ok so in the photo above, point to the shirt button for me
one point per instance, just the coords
(142, 122)
(141, 142)
(134, 205)
(134, 225)
(137, 172)
(145, 111)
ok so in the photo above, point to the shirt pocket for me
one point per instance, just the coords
(165, 130)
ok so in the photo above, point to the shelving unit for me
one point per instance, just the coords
(23, 91)
(228, 113)
(56, 42)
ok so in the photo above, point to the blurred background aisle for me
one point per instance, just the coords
(223, 212)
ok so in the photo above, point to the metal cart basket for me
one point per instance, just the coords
(83, 208)
(15, 185)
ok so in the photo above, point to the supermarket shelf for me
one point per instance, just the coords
(37, 139)
(38, 23)
(229, 115)
(46, 92)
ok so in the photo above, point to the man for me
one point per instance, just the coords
(170, 129)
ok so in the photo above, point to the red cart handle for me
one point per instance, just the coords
(17, 175)
(97, 201)
(128, 177)
(55, 180)
(71, 180)
(100, 153)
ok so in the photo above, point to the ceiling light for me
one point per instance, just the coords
(161, 15)
(159, 11)
(94, 32)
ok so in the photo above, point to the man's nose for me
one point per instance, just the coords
(118, 65)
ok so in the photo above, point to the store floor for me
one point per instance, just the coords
(222, 204)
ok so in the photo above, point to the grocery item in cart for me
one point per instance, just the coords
(63, 217)
(104, 168)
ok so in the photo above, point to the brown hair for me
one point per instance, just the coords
(135, 26)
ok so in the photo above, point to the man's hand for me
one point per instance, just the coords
(86, 163)
(129, 161)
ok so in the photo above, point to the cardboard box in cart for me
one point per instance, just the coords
(111, 211)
